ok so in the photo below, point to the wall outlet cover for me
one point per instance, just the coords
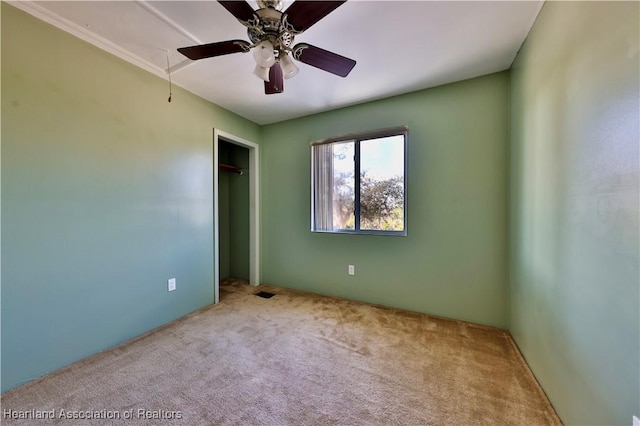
(171, 284)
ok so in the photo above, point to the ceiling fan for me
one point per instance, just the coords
(272, 32)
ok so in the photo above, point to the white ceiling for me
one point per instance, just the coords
(399, 46)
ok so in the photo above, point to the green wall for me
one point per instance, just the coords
(574, 279)
(107, 193)
(224, 253)
(453, 262)
(233, 205)
(239, 236)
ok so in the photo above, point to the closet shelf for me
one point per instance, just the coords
(230, 168)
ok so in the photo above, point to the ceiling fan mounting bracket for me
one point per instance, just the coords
(287, 27)
(246, 47)
(298, 49)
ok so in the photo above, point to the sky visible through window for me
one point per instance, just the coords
(381, 158)
(372, 200)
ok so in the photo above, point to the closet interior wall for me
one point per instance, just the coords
(233, 202)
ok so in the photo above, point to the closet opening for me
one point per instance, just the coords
(236, 184)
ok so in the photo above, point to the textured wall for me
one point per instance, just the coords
(574, 208)
(106, 193)
(454, 260)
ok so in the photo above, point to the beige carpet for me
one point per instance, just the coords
(296, 359)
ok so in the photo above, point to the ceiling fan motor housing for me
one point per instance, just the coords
(274, 4)
(269, 24)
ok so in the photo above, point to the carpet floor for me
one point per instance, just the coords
(294, 359)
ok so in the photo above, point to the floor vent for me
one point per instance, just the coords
(265, 294)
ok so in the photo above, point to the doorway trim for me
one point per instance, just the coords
(254, 208)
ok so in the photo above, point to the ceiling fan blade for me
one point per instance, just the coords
(275, 83)
(215, 49)
(303, 14)
(240, 9)
(323, 59)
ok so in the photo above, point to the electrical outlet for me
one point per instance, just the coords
(636, 421)
(352, 270)
(171, 284)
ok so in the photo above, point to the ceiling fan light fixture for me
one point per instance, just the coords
(264, 55)
(261, 72)
(289, 69)
(271, 33)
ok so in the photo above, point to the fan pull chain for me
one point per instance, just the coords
(169, 72)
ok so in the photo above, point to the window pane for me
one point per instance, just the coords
(358, 183)
(382, 184)
(333, 186)
(343, 185)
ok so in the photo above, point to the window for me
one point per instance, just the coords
(359, 183)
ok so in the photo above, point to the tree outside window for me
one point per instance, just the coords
(359, 183)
